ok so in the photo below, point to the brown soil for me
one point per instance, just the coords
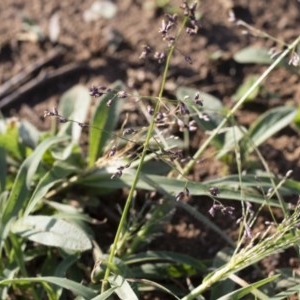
(105, 50)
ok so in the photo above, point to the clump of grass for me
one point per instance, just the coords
(44, 167)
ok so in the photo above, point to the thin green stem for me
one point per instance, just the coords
(200, 151)
(222, 272)
(139, 168)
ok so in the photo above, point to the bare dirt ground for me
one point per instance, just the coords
(105, 50)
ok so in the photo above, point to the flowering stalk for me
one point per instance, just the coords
(200, 151)
(266, 244)
(144, 152)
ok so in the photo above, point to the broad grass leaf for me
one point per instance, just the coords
(74, 104)
(251, 289)
(253, 55)
(21, 188)
(102, 179)
(9, 140)
(104, 121)
(171, 264)
(296, 119)
(227, 285)
(158, 167)
(51, 231)
(3, 169)
(166, 256)
(58, 173)
(123, 288)
(105, 295)
(75, 287)
(29, 135)
(162, 271)
(159, 287)
(213, 108)
(267, 125)
(287, 294)
(18, 253)
(245, 86)
(232, 136)
(291, 186)
(169, 188)
(258, 181)
(62, 268)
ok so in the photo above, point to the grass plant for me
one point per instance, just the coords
(45, 234)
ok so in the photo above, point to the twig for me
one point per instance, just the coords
(24, 76)
(43, 78)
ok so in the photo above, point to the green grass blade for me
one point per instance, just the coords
(2, 169)
(267, 125)
(212, 107)
(159, 287)
(65, 264)
(21, 187)
(104, 121)
(75, 287)
(165, 256)
(51, 231)
(74, 104)
(101, 179)
(252, 288)
(253, 55)
(123, 289)
(106, 294)
(58, 173)
(9, 140)
(185, 264)
(290, 292)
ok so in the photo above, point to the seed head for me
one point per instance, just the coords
(95, 91)
(113, 151)
(214, 191)
(215, 207)
(179, 196)
(160, 117)
(62, 119)
(183, 109)
(197, 99)
(204, 117)
(181, 125)
(294, 59)
(171, 18)
(109, 102)
(146, 52)
(122, 94)
(188, 59)
(128, 131)
(187, 191)
(192, 126)
(83, 125)
(118, 174)
(231, 16)
(150, 110)
(160, 56)
(288, 173)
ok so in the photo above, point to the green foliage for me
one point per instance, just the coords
(253, 55)
(105, 118)
(247, 83)
(214, 110)
(48, 183)
(51, 231)
(267, 125)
